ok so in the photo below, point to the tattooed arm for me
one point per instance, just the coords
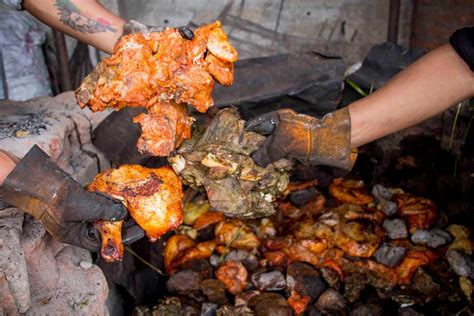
(86, 20)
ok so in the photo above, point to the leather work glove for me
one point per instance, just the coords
(133, 26)
(325, 141)
(67, 211)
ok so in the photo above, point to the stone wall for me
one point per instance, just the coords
(39, 275)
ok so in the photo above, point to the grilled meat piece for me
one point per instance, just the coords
(418, 211)
(350, 191)
(218, 160)
(164, 73)
(111, 235)
(152, 196)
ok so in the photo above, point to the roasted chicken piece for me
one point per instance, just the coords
(234, 275)
(152, 196)
(164, 73)
(175, 245)
(234, 233)
(350, 191)
(418, 211)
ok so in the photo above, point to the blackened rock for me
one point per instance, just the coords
(381, 193)
(214, 290)
(331, 301)
(367, 310)
(306, 280)
(389, 208)
(302, 197)
(331, 277)
(214, 260)
(248, 259)
(270, 304)
(244, 298)
(189, 311)
(354, 284)
(432, 238)
(201, 266)
(390, 255)
(183, 282)
(461, 263)
(268, 281)
(395, 228)
(209, 309)
(206, 234)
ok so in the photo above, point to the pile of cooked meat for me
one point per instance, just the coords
(217, 160)
(367, 252)
(163, 73)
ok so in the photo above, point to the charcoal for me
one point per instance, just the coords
(189, 311)
(201, 266)
(302, 197)
(390, 255)
(432, 238)
(228, 310)
(461, 263)
(395, 228)
(183, 282)
(367, 310)
(270, 304)
(331, 277)
(209, 309)
(269, 281)
(331, 302)
(306, 280)
(248, 259)
(381, 193)
(214, 260)
(354, 284)
(214, 290)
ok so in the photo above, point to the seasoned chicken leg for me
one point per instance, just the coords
(152, 196)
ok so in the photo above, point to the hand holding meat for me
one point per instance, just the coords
(39, 187)
(307, 139)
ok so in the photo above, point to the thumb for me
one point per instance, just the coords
(263, 124)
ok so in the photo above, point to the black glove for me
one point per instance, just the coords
(133, 26)
(67, 211)
(325, 141)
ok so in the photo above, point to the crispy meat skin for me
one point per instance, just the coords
(162, 72)
(152, 196)
(234, 275)
(350, 191)
(418, 211)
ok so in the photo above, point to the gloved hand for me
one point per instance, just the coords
(133, 26)
(325, 141)
(39, 187)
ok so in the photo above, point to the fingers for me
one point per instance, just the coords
(186, 32)
(86, 236)
(263, 124)
(111, 209)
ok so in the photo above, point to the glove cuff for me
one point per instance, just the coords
(34, 184)
(331, 141)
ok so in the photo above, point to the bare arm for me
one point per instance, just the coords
(429, 86)
(86, 20)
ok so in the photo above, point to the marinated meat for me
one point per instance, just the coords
(111, 235)
(152, 196)
(350, 191)
(418, 211)
(164, 73)
(217, 159)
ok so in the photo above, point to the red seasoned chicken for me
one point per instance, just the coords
(164, 73)
(152, 196)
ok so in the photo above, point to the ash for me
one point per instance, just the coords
(26, 124)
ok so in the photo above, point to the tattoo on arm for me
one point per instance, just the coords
(70, 15)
